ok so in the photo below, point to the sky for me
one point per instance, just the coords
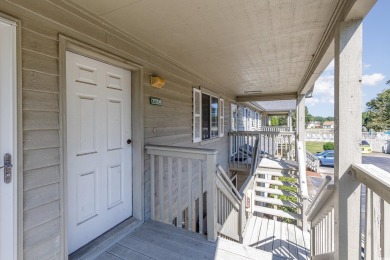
(376, 64)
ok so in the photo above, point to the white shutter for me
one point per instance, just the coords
(197, 115)
(221, 117)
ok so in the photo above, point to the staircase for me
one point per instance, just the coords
(277, 187)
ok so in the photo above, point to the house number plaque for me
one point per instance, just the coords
(155, 101)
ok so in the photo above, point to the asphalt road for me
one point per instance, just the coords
(380, 160)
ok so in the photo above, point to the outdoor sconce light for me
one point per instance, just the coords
(157, 82)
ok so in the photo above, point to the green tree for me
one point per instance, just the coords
(378, 111)
(282, 120)
(308, 117)
(274, 120)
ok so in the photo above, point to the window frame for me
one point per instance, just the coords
(220, 113)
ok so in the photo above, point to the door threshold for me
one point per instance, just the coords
(106, 240)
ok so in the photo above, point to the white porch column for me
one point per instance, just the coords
(301, 120)
(268, 120)
(348, 125)
(289, 121)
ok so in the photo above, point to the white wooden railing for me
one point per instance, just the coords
(320, 214)
(274, 129)
(179, 178)
(312, 162)
(377, 210)
(228, 203)
(375, 216)
(271, 144)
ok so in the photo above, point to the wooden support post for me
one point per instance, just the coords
(301, 114)
(348, 125)
(211, 164)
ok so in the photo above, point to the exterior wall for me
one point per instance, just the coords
(171, 124)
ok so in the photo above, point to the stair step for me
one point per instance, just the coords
(277, 192)
(274, 173)
(276, 182)
(276, 212)
(279, 202)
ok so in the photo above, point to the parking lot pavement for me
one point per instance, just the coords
(380, 160)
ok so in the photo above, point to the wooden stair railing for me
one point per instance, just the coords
(312, 162)
(181, 179)
(282, 192)
(374, 240)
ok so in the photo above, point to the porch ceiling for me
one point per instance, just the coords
(238, 45)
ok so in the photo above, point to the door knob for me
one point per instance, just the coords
(128, 141)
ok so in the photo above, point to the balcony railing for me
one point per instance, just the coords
(374, 218)
(271, 144)
(312, 162)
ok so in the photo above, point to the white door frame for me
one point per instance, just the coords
(9, 135)
(137, 123)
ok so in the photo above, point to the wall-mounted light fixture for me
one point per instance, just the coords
(157, 82)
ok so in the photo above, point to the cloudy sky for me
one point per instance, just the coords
(376, 63)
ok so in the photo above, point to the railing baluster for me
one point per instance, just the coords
(170, 200)
(189, 188)
(200, 196)
(161, 186)
(179, 195)
(386, 231)
(376, 229)
(152, 203)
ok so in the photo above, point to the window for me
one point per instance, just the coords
(234, 115)
(208, 116)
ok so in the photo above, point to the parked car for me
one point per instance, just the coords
(366, 147)
(326, 157)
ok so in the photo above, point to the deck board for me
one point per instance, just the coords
(279, 238)
(155, 240)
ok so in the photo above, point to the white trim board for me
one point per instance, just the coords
(69, 44)
(8, 138)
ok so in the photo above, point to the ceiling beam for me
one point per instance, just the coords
(267, 97)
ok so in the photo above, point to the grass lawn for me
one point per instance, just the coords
(314, 147)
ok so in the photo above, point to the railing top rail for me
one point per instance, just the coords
(179, 149)
(374, 178)
(325, 190)
(260, 132)
(311, 155)
(227, 179)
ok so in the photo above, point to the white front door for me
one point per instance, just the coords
(98, 151)
(8, 93)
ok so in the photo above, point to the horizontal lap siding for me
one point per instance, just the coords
(171, 124)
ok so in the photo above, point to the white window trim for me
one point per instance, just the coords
(220, 126)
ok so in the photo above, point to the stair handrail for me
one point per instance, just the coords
(324, 192)
(227, 180)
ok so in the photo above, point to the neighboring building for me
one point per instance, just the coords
(328, 124)
(314, 124)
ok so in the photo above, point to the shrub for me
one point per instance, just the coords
(328, 146)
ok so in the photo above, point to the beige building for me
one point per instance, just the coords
(117, 118)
